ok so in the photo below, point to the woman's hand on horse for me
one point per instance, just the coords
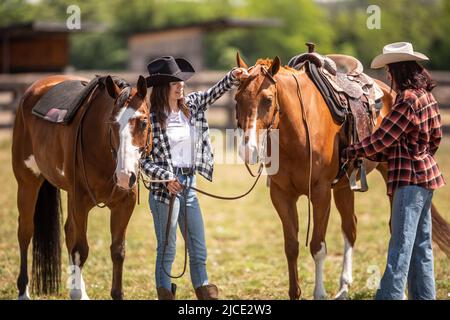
(240, 73)
(174, 186)
(346, 155)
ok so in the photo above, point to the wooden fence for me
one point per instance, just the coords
(221, 116)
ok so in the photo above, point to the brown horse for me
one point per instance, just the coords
(271, 98)
(95, 159)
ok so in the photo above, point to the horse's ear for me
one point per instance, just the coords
(142, 87)
(275, 67)
(113, 90)
(240, 63)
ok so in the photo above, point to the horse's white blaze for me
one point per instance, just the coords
(25, 295)
(319, 258)
(251, 147)
(127, 154)
(346, 275)
(78, 291)
(32, 165)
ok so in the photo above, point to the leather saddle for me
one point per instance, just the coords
(354, 100)
(60, 103)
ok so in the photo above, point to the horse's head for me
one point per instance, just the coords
(130, 129)
(256, 105)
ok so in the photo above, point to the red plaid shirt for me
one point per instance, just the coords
(407, 140)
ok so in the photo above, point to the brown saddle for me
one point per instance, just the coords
(354, 99)
(346, 64)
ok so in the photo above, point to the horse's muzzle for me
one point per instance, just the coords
(249, 154)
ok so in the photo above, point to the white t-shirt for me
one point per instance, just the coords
(181, 139)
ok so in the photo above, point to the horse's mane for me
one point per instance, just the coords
(268, 62)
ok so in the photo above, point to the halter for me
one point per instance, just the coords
(123, 98)
(271, 126)
(305, 120)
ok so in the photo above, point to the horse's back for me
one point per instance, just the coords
(36, 139)
(40, 87)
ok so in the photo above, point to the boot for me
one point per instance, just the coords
(207, 292)
(164, 294)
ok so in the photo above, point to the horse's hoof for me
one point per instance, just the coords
(25, 295)
(117, 295)
(342, 294)
(78, 294)
(295, 293)
(320, 296)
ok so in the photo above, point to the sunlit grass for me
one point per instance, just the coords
(244, 239)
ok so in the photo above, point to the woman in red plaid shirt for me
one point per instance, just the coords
(407, 140)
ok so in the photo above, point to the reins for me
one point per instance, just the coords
(186, 188)
(305, 120)
(79, 142)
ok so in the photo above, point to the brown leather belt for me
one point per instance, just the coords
(184, 170)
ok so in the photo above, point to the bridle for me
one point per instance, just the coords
(277, 112)
(271, 126)
(123, 99)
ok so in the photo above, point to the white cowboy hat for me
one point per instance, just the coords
(396, 52)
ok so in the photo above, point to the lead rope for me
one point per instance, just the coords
(166, 242)
(169, 216)
(305, 120)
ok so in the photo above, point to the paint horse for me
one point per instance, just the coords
(95, 159)
(286, 99)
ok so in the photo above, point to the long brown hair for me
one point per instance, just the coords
(410, 75)
(159, 104)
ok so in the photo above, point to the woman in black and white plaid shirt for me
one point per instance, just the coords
(181, 147)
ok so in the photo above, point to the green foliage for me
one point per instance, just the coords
(302, 21)
(339, 27)
(423, 23)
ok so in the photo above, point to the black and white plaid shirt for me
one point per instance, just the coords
(158, 165)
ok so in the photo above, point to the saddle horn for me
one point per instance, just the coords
(311, 46)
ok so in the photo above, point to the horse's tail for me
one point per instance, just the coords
(441, 231)
(46, 241)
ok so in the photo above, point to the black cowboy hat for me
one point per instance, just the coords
(168, 69)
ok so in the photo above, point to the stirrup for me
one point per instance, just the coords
(363, 179)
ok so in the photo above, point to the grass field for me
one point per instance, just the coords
(244, 238)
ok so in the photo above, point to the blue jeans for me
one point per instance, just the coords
(410, 255)
(195, 238)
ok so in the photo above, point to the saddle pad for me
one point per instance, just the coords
(334, 103)
(61, 102)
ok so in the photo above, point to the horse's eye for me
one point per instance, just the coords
(267, 101)
(142, 124)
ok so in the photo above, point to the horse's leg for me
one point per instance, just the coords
(77, 244)
(27, 195)
(285, 204)
(344, 199)
(120, 216)
(321, 199)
